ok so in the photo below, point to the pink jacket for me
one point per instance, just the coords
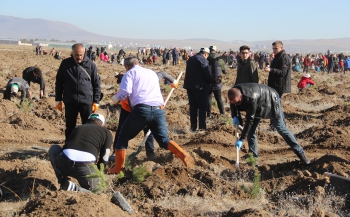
(102, 56)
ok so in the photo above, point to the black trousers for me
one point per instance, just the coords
(198, 100)
(64, 167)
(217, 95)
(71, 113)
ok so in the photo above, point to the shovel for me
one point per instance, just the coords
(237, 149)
(134, 154)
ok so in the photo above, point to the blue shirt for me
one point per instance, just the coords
(141, 85)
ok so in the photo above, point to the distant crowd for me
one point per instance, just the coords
(319, 62)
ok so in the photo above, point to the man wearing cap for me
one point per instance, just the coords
(78, 86)
(88, 143)
(17, 84)
(34, 74)
(217, 67)
(141, 87)
(305, 82)
(197, 83)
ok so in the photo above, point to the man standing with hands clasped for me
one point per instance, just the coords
(78, 86)
(280, 71)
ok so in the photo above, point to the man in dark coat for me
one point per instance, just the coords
(78, 86)
(280, 71)
(216, 67)
(247, 71)
(197, 83)
(260, 102)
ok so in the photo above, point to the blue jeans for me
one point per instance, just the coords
(281, 128)
(63, 168)
(140, 117)
(149, 142)
(198, 100)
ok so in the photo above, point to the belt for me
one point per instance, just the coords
(148, 106)
(75, 163)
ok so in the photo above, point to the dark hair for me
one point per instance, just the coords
(277, 43)
(37, 71)
(94, 120)
(244, 47)
(233, 93)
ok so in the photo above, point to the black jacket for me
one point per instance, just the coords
(259, 101)
(280, 76)
(247, 72)
(73, 85)
(28, 75)
(91, 138)
(198, 74)
(215, 70)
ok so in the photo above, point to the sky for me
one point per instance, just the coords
(224, 20)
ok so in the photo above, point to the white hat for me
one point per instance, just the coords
(97, 116)
(14, 88)
(212, 47)
(307, 76)
(205, 49)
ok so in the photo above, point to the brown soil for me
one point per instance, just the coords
(317, 116)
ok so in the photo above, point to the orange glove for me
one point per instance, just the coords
(94, 107)
(175, 84)
(59, 105)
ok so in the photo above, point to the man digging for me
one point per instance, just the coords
(260, 102)
(141, 86)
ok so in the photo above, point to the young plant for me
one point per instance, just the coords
(99, 173)
(251, 160)
(256, 189)
(139, 173)
(25, 105)
(166, 88)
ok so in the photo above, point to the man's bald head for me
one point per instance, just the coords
(78, 51)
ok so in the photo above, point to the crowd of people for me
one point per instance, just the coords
(78, 92)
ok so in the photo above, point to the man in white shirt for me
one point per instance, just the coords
(141, 86)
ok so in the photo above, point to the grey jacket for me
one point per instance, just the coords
(23, 87)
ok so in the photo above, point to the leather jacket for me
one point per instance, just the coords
(259, 101)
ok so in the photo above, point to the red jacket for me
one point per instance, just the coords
(307, 61)
(304, 81)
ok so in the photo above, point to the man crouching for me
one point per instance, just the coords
(88, 143)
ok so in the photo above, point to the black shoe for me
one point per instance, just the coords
(151, 155)
(304, 159)
(68, 186)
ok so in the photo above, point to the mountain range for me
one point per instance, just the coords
(20, 28)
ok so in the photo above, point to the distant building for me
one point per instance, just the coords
(108, 45)
(55, 44)
(10, 41)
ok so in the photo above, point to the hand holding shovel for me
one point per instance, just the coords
(238, 147)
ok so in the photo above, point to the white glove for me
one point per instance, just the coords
(114, 99)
